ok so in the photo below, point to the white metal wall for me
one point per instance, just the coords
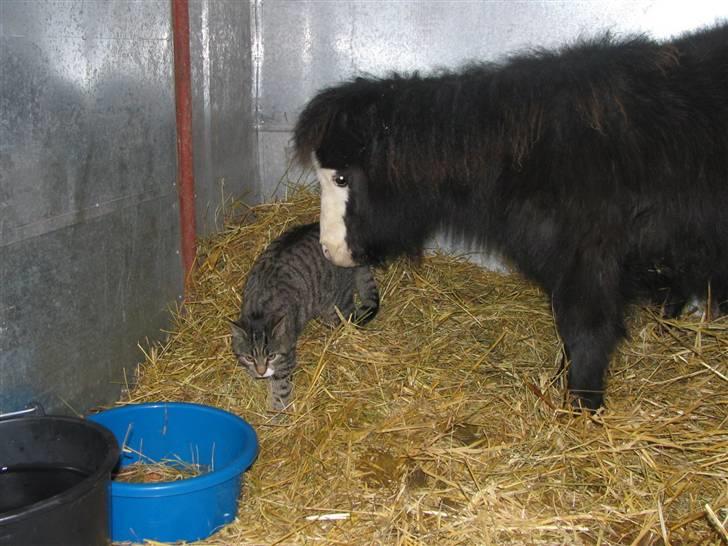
(89, 223)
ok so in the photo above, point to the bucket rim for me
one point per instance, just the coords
(242, 462)
(78, 490)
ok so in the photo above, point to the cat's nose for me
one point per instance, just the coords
(326, 252)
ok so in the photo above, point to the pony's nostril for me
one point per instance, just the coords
(326, 251)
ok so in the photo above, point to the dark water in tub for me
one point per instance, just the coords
(22, 485)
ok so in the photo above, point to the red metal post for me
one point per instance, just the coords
(183, 99)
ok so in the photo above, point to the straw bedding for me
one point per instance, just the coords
(441, 421)
(158, 471)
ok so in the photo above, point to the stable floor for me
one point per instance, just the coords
(442, 421)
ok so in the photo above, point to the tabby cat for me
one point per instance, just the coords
(289, 284)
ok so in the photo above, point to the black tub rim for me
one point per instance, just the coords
(80, 489)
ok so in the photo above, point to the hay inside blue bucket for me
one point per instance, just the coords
(190, 509)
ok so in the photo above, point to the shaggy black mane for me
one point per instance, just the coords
(428, 129)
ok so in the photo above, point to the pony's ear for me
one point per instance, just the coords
(314, 122)
(279, 329)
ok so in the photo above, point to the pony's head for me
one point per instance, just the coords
(371, 207)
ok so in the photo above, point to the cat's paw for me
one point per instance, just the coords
(278, 405)
(280, 410)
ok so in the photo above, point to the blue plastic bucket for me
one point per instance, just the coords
(189, 509)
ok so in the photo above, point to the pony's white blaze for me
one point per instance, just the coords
(333, 210)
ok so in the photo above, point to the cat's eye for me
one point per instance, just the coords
(340, 180)
(272, 358)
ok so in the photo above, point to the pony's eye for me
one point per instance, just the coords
(340, 180)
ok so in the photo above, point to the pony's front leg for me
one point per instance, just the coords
(588, 311)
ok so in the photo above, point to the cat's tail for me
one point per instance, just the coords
(366, 286)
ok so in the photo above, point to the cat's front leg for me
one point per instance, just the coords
(330, 316)
(281, 388)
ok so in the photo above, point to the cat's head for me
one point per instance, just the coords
(261, 345)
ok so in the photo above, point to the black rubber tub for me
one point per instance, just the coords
(54, 481)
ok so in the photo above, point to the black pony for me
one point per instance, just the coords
(599, 170)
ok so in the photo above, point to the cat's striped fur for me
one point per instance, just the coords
(289, 284)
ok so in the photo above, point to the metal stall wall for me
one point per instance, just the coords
(89, 221)
(223, 121)
(301, 47)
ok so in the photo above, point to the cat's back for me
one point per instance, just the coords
(292, 276)
(298, 244)
(292, 265)
(297, 237)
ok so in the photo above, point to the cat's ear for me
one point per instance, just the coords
(279, 329)
(238, 330)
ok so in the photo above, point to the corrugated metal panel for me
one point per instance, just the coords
(88, 222)
(89, 226)
(85, 111)
(223, 116)
(77, 300)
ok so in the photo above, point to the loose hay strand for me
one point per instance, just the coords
(715, 522)
(441, 421)
(161, 471)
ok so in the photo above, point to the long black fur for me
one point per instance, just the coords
(600, 170)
